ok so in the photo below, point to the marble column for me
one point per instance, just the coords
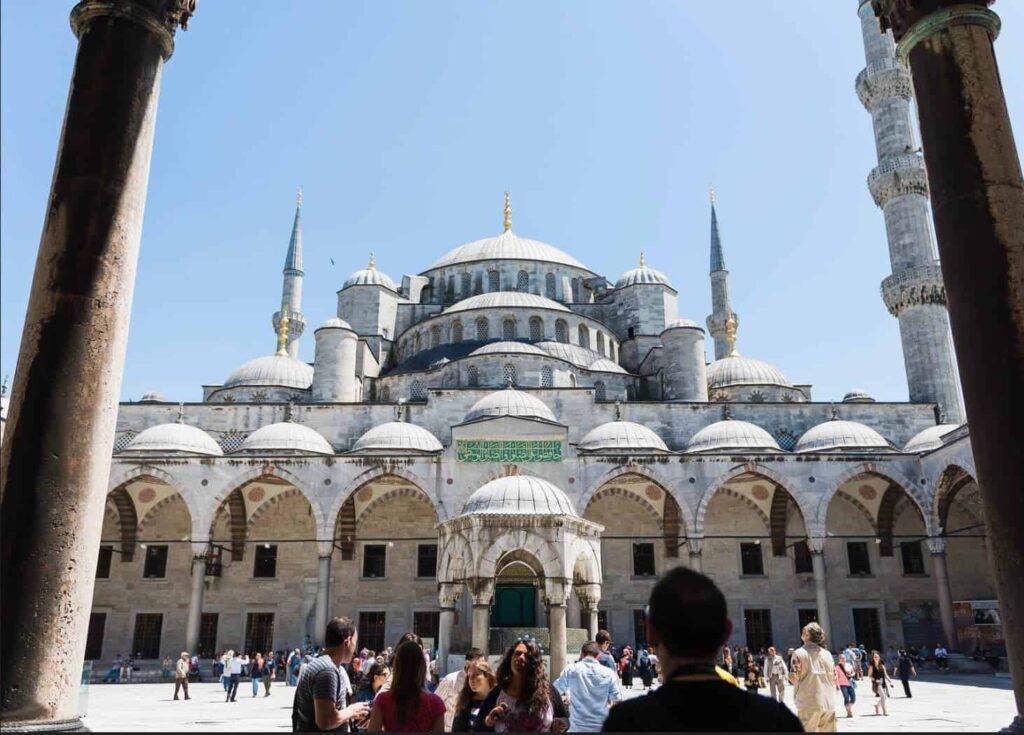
(195, 601)
(821, 587)
(448, 595)
(559, 637)
(482, 591)
(589, 596)
(941, 573)
(696, 559)
(977, 196)
(590, 622)
(323, 596)
(60, 433)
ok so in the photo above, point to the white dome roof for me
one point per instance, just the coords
(737, 370)
(505, 299)
(506, 347)
(335, 323)
(507, 246)
(570, 353)
(641, 276)
(604, 365)
(858, 396)
(153, 397)
(688, 323)
(175, 437)
(837, 434)
(510, 402)
(398, 435)
(519, 494)
(930, 438)
(370, 276)
(731, 434)
(287, 436)
(622, 435)
(272, 370)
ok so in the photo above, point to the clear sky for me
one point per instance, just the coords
(405, 122)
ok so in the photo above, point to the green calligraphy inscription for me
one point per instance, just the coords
(499, 450)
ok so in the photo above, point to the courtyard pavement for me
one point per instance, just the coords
(940, 703)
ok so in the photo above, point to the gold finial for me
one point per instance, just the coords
(282, 335)
(372, 265)
(643, 259)
(298, 198)
(711, 193)
(730, 336)
(508, 211)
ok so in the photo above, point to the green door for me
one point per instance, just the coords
(515, 606)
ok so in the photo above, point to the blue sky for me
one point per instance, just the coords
(405, 122)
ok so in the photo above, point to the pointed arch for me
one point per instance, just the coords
(231, 491)
(522, 541)
(778, 482)
(953, 479)
(456, 558)
(127, 521)
(918, 495)
(368, 476)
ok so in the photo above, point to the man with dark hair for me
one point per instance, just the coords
(321, 694)
(606, 658)
(591, 688)
(687, 623)
(451, 684)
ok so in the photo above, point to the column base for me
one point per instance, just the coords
(73, 725)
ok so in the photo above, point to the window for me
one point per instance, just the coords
(576, 290)
(146, 640)
(611, 349)
(643, 560)
(259, 631)
(913, 559)
(478, 287)
(417, 392)
(758, 624)
(562, 332)
(600, 393)
(806, 615)
(371, 630)
(547, 377)
(802, 558)
(94, 639)
(857, 555)
(208, 634)
(155, 566)
(509, 371)
(536, 329)
(456, 331)
(472, 376)
(483, 330)
(751, 561)
(640, 627)
(584, 336)
(523, 281)
(493, 281)
(600, 342)
(425, 624)
(264, 563)
(435, 336)
(449, 293)
(572, 380)
(549, 286)
(866, 628)
(426, 560)
(103, 563)
(374, 561)
(508, 329)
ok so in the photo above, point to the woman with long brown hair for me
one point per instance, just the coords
(406, 706)
(523, 699)
(479, 682)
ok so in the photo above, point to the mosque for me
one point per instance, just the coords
(508, 440)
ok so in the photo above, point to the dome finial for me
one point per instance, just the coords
(399, 410)
(508, 212)
(643, 259)
(711, 195)
(181, 414)
(835, 413)
(298, 198)
(730, 336)
(282, 335)
(372, 264)
(727, 412)
(618, 410)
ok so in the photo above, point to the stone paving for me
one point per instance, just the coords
(946, 703)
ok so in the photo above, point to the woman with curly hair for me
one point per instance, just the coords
(406, 706)
(523, 699)
(479, 682)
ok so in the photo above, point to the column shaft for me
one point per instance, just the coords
(696, 563)
(481, 626)
(821, 594)
(446, 621)
(941, 572)
(590, 621)
(323, 593)
(195, 604)
(557, 631)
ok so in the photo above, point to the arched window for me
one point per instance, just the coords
(536, 329)
(467, 284)
(549, 286)
(547, 377)
(478, 283)
(449, 293)
(611, 350)
(472, 376)
(600, 342)
(456, 331)
(599, 392)
(493, 281)
(584, 336)
(509, 372)
(523, 281)
(572, 380)
(417, 392)
(576, 290)
(435, 336)
(483, 329)
(508, 329)
(562, 331)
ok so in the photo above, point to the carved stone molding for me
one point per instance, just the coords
(883, 81)
(897, 176)
(448, 594)
(160, 17)
(913, 287)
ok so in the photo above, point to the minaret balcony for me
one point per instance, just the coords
(915, 286)
(896, 176)
(883, 80)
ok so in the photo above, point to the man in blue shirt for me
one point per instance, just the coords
(591, 687)
(604, 645)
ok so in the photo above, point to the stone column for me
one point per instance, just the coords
(482, 591)
(977, 193)
(590, 597)
(821, 586)
(63, 410)
(323, 595)
(195, 601)
(945, 595)
(556, 594)
(448, 594)
(696, 559)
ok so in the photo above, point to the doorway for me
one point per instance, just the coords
(515, 606)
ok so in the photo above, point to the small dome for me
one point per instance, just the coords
(334, 323)
(687, 323)
(277, 370)
(508, 347)
(642, 275)
(858, 396)
(397, 436)
(519, 495)
(153, 397)
(510, 402)
(604, 365)
(370, 276)
(736, 370)
(507, 246)
(575, 354)
(837, 434)
(729, 435)
(505, 299)
(929, 439)
(175, 437)
(286, 436)
(622, 435)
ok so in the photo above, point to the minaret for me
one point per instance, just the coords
(721, 307)
(914, 293)
(291, 290)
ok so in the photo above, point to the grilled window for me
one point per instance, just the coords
(264, 563)
(523, 281)
(371, 630)
(913, 558)
(456, 331)
(562, 332)
(483, 329)
(751, 561)
(536, 329)
(802, 558)
(374, 561)
(208, 634)
(857, 555)
(549, 286)
(472, 376)
(509, 371)
(493, 281)
(155, 566)
(643, 560)
(426, 560)
(508, 329)
(259, 631)
(584, 336)
(600, 393)
(467, 284)
(146, 637)
(547, 377)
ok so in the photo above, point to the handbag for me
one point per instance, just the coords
(761, 684)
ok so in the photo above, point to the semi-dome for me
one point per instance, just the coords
(737, 370)
(286, 436)
(929, 439)
(176, 437)
(839, 435)
(604, 365)
(510, 402)
(732, 435)
(505, 299)
(508, 347)
(642, 275)
(276, 370)
(858, 396)
(507, 246)
(370, 276)
(335, 323)
(624, 435)
(519, 495)
(397, 436)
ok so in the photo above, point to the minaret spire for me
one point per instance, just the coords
(722, 322)
(291, 291)
(508, 212)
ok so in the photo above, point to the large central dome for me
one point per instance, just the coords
(506, 246)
